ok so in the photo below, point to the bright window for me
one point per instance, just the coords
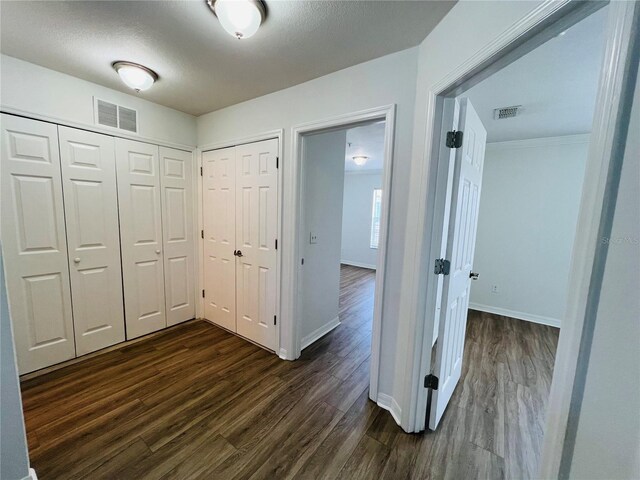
(375, 217)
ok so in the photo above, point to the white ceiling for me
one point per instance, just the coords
(201, 67)
(367, 140)
(556, 84)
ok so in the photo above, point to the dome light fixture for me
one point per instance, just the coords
(135, 76)
(240, 18)
(360, 160)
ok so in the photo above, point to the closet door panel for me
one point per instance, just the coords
(34, 243)
(91, 211)
(139, 200)
(220, 236)
(256, 232)
(178, 228)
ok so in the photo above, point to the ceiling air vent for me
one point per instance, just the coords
(506, 112)
(111, 115)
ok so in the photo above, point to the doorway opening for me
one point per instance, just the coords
(511, 200)
(341, 202)
(344, 178)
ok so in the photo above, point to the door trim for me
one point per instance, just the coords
(292, 236)
(277, 134)
(603, 167)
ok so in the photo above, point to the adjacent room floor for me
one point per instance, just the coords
(198, 402)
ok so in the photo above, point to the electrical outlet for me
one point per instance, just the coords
(494, 288)
(313, 237)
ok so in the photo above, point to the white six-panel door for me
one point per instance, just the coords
(219, 198)
(34, 243)
(465, 204)
(256, 233)
(178, 231)
(139, 197)
(91, 211)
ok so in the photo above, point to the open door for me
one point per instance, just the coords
(461, 239)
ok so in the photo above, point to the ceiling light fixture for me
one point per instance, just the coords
(360, 160)
(240, 18)
(135, 76)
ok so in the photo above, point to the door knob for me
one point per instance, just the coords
(76, 260)
(238, 253)
(158, 252)
(473, 276)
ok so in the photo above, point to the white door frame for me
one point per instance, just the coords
(603, 164)
(291, 298)
(269, 135)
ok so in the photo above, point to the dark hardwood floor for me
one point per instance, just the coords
(198, 402)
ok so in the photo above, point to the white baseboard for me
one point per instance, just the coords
(319, 332)
(389, 403)
(358, 264)
(32, 475)
(283, 354)
(529, 317)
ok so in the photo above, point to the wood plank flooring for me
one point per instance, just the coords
(197, 402)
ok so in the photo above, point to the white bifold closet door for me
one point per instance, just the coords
(256, 234)
(219, 194)
(139, 200)
(176, 170)
(240, 229)
(34, 243)
(91, 211)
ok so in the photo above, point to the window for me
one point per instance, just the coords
(375, 217)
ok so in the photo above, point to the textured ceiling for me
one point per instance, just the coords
(201, 67)
(556, 84)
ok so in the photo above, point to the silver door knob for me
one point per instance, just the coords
(76, 260)
(158, 252)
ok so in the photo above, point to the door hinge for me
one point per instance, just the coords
(202, 293)
(201, 233)
(276, 243)
(200, 171)
(442, 267)
(454, 139)
(274, 320)
(431, 381)
(277, 162)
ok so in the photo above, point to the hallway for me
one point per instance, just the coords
(198, 402)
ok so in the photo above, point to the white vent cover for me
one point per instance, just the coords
(506, 112)
(111, 115)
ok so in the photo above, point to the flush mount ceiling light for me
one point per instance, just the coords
(360, 160)
(135, 76)
(240, 18)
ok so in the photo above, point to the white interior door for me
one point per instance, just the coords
(34, 244)
(93, 241)
(465, 203)
(141, 236)
(178, 230)
(256, 234)
(219, 190)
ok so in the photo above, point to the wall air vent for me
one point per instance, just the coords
(110, 115)
(506, 112)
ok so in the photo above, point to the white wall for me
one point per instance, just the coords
(14, 457)
(356, 219)
(607, 443)
(33, 89)
(383, 81)
(323, 177)
(526, 227)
